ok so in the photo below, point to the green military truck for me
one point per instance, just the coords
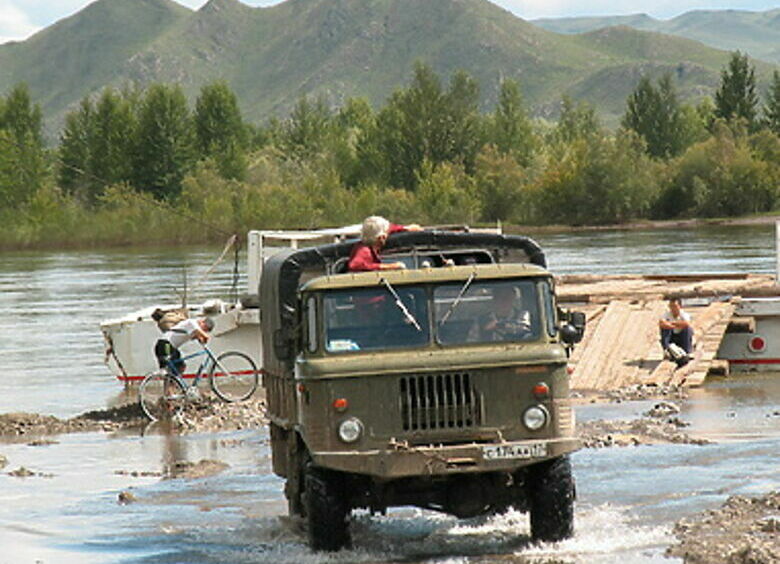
(442, 386)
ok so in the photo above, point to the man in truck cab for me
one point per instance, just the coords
(507, 320)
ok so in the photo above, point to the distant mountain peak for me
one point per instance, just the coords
(222, 5)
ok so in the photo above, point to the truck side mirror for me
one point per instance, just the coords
(574, 329)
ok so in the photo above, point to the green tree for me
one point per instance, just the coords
(164, 145)
(423, 122)
(501, 185)
(656, 115)
(772, 107)
(111, 141)
(736, 96)
(21, 117)
(357, 159)
(220, 130)
(446, 194)
(22, 123)
(9, 187)
(74, 174)
(307, 131)
(577, 121)
(510, 128)
(463, 131)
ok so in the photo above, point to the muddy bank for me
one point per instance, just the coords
(205, 415)
(746, 530)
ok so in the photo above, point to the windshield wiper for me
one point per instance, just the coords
(456, 301)
(407, 314)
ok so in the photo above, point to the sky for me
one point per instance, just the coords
(21, 18)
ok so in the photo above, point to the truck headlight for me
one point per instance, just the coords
(535, 417)
(350, 430)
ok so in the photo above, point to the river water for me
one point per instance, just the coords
(628, 499)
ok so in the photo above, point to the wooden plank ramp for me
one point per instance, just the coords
(622, 348)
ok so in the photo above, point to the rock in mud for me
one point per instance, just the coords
(195, 470)
(645, 430)
(125, 498)
(743, 531)
(641, 392)
(23, 472)
(42, 442)
(664, 409)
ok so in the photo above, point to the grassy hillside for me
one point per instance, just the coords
(340, 48)
(82, 53)
(757, 33)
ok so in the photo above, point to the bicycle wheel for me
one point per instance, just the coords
(234, 376)
(161, 395)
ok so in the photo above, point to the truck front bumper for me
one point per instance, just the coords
(400, 460)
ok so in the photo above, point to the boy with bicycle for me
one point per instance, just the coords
(167, 347)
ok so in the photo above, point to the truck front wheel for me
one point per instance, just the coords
(551, 495)
(327, 510)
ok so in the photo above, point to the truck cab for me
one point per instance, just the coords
(442, 386)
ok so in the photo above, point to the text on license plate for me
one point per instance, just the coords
(497, 452)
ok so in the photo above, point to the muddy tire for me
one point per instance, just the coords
(551, 499)
(327, 511)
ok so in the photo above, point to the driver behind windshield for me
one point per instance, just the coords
(506, 321)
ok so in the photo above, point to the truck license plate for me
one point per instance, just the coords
(521, 452)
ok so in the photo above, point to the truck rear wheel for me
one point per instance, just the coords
(327, 510)
(551, 497)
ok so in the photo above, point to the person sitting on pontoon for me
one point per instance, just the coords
(373, 235)
(676, 333)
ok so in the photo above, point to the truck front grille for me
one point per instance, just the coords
(439, 401)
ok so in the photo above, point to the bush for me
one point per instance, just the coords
(597, 180)
(722, 176)
(446, 195)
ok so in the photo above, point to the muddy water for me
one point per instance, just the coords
(68, 510)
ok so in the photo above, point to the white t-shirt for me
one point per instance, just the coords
(181, 332)
(682, 317)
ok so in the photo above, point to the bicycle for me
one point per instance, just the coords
(233, 377)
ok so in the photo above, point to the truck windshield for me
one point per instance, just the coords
(370, 319)
(487, 312)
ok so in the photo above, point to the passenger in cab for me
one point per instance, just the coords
(373, 236)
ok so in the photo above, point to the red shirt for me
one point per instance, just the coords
(363, 257)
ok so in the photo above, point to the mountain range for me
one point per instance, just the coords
(755, 33)
(339, 48)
